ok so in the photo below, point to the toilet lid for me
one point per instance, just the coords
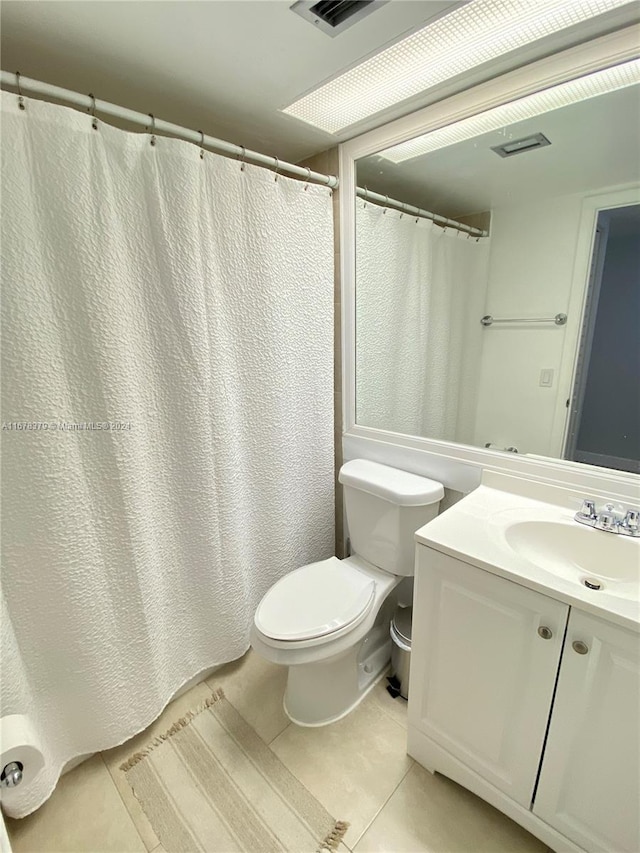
(315, 600)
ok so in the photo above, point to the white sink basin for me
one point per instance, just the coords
(525, 531)
(577, 552)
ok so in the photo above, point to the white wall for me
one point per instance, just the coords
(531, 264)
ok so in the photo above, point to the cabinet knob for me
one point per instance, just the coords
(580, 647)
(545, 633)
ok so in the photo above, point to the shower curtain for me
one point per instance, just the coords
(420, 294)
(167, 418)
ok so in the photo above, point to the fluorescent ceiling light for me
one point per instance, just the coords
(581, 89)
(467, 37)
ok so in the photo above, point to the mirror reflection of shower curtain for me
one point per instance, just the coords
(420, 293)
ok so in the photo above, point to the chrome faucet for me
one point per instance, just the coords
(608, 519)
(630, 525)
(587, 513)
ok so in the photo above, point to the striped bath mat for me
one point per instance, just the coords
(211, 784)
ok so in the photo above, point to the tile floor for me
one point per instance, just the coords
(357, 768)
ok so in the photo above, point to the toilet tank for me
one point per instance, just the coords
(385, 507)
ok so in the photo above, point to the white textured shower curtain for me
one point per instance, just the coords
(420, 294)
(167, 417)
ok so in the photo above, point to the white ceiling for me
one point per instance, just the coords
(224, 67)
(594, 144)
(227, 66)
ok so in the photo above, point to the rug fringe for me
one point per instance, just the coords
(216, 696)
(333, 839)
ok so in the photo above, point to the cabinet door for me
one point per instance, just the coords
(482, 672)
(589, 786)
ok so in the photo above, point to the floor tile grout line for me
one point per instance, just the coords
(275, 737)
(377, 814)
(394, 721)
(389, 718)
(342, 841)
(390, 715)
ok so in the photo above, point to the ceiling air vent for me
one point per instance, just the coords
(335, 16)
(519, 146)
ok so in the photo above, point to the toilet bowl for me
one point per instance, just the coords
(329, 621)
(330, 635)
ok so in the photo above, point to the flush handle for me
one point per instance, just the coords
(545, 633)
(580, 647)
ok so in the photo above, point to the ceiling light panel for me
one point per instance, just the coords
(467, 37)
(581, 89)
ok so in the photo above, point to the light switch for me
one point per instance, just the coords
(546, 377)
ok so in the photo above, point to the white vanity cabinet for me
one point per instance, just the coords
(589, 786)
(485, 655)
(488, 654)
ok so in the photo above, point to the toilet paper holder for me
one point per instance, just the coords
(22, 756)
(11, 774)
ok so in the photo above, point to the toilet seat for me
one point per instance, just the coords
(320, 600)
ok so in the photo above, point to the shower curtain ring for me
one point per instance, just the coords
(92, 110)
(306, 183)
(277, 167)
(386, 201)
(366, 193)
(244, 153)
(153, 128)
(20, 97)
(201, 144)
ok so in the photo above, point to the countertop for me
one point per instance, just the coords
(472, 530)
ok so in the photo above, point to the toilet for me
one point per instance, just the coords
(329, 621)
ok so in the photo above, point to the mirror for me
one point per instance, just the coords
(498, 278)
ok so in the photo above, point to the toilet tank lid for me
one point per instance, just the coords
(399, 487)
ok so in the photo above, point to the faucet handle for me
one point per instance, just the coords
(630, 525)
(608, 520)
(587, 513)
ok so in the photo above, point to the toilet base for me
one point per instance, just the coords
(323, 692)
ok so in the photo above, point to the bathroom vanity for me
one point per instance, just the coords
(525, 681)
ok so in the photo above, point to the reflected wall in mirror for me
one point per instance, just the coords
(516, 323)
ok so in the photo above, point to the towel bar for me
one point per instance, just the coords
(559, 320)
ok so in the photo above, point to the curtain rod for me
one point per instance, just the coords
(23, 85)
(363, 192)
